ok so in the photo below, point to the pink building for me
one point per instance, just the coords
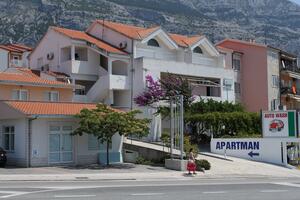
(256, 69)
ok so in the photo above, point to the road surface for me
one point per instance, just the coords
(186, 188)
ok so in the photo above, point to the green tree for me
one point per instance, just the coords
(103, 122)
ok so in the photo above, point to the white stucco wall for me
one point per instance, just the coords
(155, 67)
(51, 42)
(110, 36)
(3, 59)
(18, 156)
(273, 69)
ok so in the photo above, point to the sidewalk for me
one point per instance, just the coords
(221, 169)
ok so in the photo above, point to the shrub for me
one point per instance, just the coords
(187, 146)
(202, 164)
(142, 161)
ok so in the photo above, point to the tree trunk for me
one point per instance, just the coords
(107, 153)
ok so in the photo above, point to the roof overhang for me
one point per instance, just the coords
(207, 45)
(6, 82)
(162, 35)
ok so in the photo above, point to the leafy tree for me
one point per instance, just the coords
(103, 122)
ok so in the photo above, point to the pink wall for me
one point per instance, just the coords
(254, 78)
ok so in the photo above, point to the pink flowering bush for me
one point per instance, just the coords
(152, 94)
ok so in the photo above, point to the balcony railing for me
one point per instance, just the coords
(289, 90)
(292, 68)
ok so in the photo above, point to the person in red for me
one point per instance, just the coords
(191, 166)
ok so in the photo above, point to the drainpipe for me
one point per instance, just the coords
(132, 73)
(29, 140)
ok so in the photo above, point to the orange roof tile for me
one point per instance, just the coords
(79, 35)
(16, 48)
(27, 76)
(185, 41)
(133, 32)
(49, 108)
(241, 42)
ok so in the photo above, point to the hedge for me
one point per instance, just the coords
(220, 124)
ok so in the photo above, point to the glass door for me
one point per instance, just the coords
(60, 144)
(66, 148)
(54, 148)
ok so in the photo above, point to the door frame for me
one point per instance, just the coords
(61, 133)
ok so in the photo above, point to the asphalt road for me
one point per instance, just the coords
(185, 188)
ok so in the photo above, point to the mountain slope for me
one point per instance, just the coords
(276, 22)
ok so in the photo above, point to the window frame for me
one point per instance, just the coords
(275, 81)
(50, 96)
(11, 136)
(237, 88)
(198, 50)
(153, 43)
(19, 92)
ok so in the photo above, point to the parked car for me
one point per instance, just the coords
(3, 158)
(276, 125)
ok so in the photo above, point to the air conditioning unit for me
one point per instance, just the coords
(50, 56)
(123, 45)
(45, 68)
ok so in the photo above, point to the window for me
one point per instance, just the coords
(9, 138)
(153, 43)
(40, 62)
(237, 87)
(21, 95)
(236, 62)
(275, 81)
(52, 96)
(198, 50)
(274, 104)
(93, 143)
(16, 57)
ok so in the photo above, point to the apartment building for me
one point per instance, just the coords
(111, 60)
(264, 77)
(37, 117)
(14, 55)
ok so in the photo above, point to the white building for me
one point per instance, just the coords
(14, 55)
(111, 61)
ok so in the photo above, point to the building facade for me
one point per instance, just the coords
(37, 117)
(266, 78)
(14, 55)
(111, 61)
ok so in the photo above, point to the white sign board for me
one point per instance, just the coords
(279, 124)
(270, 150)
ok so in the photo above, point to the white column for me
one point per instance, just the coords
(109, 66)
(73, 52)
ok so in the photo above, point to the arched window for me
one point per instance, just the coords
(153, 43)
(198, 50)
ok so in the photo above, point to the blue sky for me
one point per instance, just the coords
(297, 1)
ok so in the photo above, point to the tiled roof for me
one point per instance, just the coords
(80, 35)
(241, 42)
(16, 48)
(48, 108)
(27, 76)
(139, 33)
(185, 41)
(133, 32)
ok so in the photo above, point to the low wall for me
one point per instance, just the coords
(149, 154)
(270, 150)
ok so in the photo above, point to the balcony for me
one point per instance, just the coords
(285, 90)
(78, 67)
(18, 63)
(119, 82)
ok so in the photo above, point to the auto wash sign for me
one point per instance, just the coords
(279, 124)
